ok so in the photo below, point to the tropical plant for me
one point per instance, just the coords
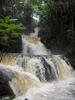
(9, 31)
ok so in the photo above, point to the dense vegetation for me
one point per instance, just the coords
(57, 27)
(9, 35)
(12, 27)
(56, 22)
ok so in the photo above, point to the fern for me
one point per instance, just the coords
(8, 30)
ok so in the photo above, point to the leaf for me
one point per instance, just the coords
(7, 19)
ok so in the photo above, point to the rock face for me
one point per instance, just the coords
(5, 89)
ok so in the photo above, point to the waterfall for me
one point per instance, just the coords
(18, 81)
(46, 68)
(33, 46)
(36, 59)
(35, 65)
(62, 90)
(63, 69)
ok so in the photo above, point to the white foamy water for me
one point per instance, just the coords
(33, 46)
(46, 68)
(36, 74)
(60, 90)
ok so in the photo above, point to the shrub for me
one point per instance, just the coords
(9, 31)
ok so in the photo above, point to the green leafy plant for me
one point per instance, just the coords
(9, 30)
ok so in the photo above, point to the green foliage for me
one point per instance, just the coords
(8, 31)
(57, 26)
(57, 18)
(6, 27)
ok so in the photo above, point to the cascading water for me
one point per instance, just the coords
(37, 60)
(47, 68)
(33, 46)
